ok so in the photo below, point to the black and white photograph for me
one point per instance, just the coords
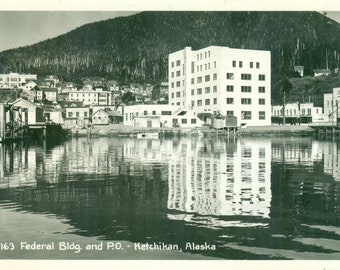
(178, 135)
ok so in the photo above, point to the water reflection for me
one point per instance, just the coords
(252, 198)
(221, 178)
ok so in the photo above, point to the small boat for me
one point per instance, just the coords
(154, 135)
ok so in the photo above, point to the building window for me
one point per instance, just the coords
(192, 92)
(199, 79)
(245, 76)
(207, 90)
(85, 114)
(245, 100)
(234, 63)
(262, 115)
(193, 121)
(199, 91)
(178, 63)
(215, 88)
(192, 103)
(262, 101)
(230, 88)
(192, 67)
(207, 78)
(172, 85)
(257, 65)
(207, 102)
(240, 64)
(251, 64)
(262, 89)
(77, 114)
(230, 113)
(214, 64)
(145, 112)
(230, 76)
(199, 102)
(172, 74)
(70, 114)
(178, 73)
(172, 95)
(178, 94)
(215, 76)
(262, 77)
(215, 101)
(303, 111)
(184, 121)
(192, 80)
(153, 112)
(230, 100)
(178, 83)
(172, 64)
(246, 115)
(309, 111)
(246, 89)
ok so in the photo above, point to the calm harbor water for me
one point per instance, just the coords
(181, 198)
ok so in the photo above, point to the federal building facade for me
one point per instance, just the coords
(222, 80)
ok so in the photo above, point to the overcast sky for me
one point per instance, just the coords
(21, 28)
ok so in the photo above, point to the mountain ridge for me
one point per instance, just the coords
(136, 47)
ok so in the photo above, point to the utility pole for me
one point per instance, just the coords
(284, 108)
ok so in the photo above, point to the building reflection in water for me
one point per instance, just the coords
(220, 178)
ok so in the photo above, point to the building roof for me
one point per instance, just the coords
(109, 113)
(49, 89)
(322, 71)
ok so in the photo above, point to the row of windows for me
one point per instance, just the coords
(208, 90)
(206, 54)
(293, 112)
(206, 102)
(240, 64)
(154, 113)
(245, 76)
(207, 78)
(89, 95)
(178, 63)
(77, 114)
(230, 88)
(244, 101)
(207, 66)
(185, 121)
(246, 115)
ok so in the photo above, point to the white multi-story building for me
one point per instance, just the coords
(17, 80)
(331, 105)
(225, 80)
(90, 97)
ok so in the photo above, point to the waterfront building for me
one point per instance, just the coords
(296, 113)
(106, 117)
(54, 116)
(35, 113)
(220, 79)
(167, 115)
(163, 111)
(78, 117)
(15, 80)
(331, 105)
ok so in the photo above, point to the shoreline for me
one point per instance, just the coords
(119, 130)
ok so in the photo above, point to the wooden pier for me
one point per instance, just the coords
(326, 128)
(13, 123)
